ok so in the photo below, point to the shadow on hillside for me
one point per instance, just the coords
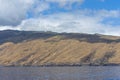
(20, 36)
(90, 38)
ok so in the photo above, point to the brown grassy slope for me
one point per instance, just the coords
(58, 51)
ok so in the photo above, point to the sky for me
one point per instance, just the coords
(76, 16)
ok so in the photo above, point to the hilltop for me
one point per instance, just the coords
(39, 48)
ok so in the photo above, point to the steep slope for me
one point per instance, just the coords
(27, 48)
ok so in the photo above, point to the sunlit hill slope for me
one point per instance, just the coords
(30, 48)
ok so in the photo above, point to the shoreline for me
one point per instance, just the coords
(58, 65)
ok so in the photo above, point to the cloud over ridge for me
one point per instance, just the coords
(29, 15)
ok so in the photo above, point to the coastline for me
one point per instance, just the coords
(59, 65)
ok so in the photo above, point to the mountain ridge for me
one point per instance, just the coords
(31, 48)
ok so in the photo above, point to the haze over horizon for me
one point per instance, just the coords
(80, 16)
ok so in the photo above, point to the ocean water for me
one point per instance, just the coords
(60, 73)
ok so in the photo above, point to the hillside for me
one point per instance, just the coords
(30, 48)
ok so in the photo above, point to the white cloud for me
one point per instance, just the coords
(64, 3)
(13, 11)
(13, 16)
(74, 22)
(39, 6)
(9, 27)
(86, 21)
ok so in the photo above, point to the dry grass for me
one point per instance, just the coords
(57, 51)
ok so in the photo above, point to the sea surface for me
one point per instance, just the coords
(60, 73)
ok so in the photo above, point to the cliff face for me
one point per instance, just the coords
(23, 48)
